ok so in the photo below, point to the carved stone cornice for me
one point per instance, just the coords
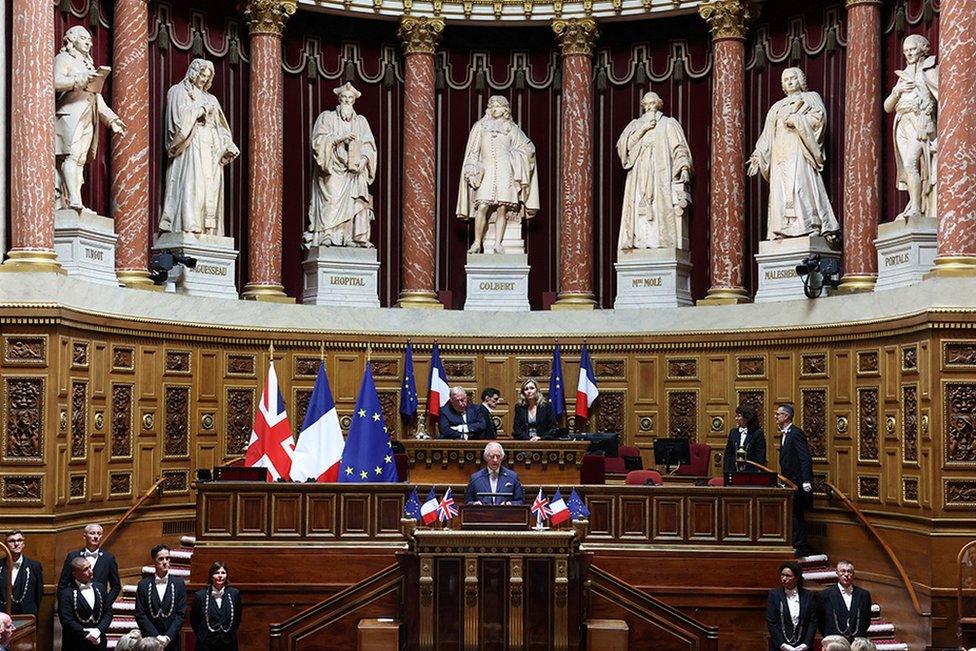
(420, 35)
(576, 35)
(268, 16)
(728, 18)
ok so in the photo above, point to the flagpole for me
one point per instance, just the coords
(271, 351)
(322, 351)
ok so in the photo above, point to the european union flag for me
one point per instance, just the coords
(408, 391)
(557, 396)
(412, 508)
(576, 506)
(368, 455)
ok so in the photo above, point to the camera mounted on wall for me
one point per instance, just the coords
(817, 273)
(164, 261)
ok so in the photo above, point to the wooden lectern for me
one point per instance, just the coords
(507, 517)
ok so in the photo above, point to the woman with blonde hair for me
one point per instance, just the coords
(128, 641)
(534, 417)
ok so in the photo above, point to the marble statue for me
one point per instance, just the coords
(913, 100)
(790, 155)
(344, 151)
(79, 110)
(654, 151)
(498, 176)
(199, 145)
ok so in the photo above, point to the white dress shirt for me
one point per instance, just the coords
(847, 595)
(743, 431)
(161, 584)
(91, 556)
(793, 602)
(88, 592)
(15, 570)
(218, 597)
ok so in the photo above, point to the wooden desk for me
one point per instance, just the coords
(441, 461)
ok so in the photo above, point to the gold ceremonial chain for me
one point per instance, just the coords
(23, 593)
(159, 614)
(798, 629)
(206, 614)
(847, 631)
(94, 611)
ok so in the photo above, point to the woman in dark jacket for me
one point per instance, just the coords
(534, 418)
(791, 612)
(746, 422)
(216, 613)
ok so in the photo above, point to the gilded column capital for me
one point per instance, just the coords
(727, 18)
(851, 3)
(268, 16)
(576, 35)
(420, 34)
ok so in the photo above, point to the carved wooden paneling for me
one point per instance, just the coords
(868, 487)
(302, 398)
(178, 362)
(176, 481)
(21, 488)
(307, 366)
(76, 486)
(176, 433)
(959, 353)
(755, 398)
(240, 365)
(960, 422)
(909, 423)
(612, 412)
(867, 362)
(459, 369)
(813, 365)
(240, 419)
(120, 484)
(867, 424)
(79, 354)
(910, 489)
(683, 415)
(390, 409)
(386, 368)
(24, 422)
(909, 358)
(610, 369)
(122, 420)
(683, 368)
(24, 350)
(79, 419)
(534, 368)
(751, 367)
(813, 417)
(960, 493)
(123, 358)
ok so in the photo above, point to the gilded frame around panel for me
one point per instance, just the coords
(826, 418)
(739, 359)
(184, 474)
(862, 354)
(132, 421)
(71, 418)
(946, 383)
(228, 354)
(45, 347)
(4, 391)
(667, 402)
(904, 420)
(189, 421)
(123, 369)
(902, 350)
(968, 505)
(904, 492)
(74, 499)
(857, 426)
(668, 360)
(86, 344)
(868, 498)
(116, 473)
(22, 500)
(944, 364)
(178, 351)
(812, 354)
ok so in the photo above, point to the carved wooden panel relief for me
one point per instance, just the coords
(682, 368)
(909, 358)
(813, 365)
(386, 368)
(610, 369)
(868, 487)
(960, 493)
(390, 408)
(121, 420)
(23, 350)
(534, 368)
(176, 437)
(24, 422)
(867, 361)
(610, 416)
(240, 365)
(910, 489)
(307, 366)
(751, 366)
(813, 415)
(120, 484)
(459, 369)
(178, 362)
(960, 422)
(867, 424)
(959, 353)
(123, 358)
(79, 354)
(76, 486)
(820, 483)
(683, 415)
(755, 398)
(240, 419)
(302, 398)
(21, 488)
(79, 419)
(909, 424)
(176, 481)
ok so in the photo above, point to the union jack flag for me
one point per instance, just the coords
(446, 509)
(271, 445)
(540, 507)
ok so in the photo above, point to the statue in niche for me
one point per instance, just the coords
(79, 109)
(790, 155)
(654, 151)
(913, 100)
(199, 144)
(344, 150)
(498, 175)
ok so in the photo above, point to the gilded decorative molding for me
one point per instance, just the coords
(534, 368)
(751, 366)
(268, 16)
(576, 35)
(854, 3)
(24, 432)
(25, 350)
(910, 423)
(120, 484)
(728, 18)
(813, 411)
(240, 418)
(868, 444)
(683, 415)
(610, 415)
(959, 421)
(121, 420)
(420, 35)
(21, 488)
(177, 428)
(79, 420)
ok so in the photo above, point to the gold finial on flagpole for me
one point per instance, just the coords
(369, 351)
(271, 350)
(322, 351)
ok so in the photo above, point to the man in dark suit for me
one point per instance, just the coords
(489, 400)
(28, 578)
(105, 569)
(495, 478)
(845, 609)
(459, 420)
(84, 609)
(161, 602)
(748, 436)
(797, 466)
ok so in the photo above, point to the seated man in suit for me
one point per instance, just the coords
(747, 435)
(84, 609)
(28, 577)
(496, 478)
(490, 398)
(7, 629)
(105, 569)
(459, 420)
(845, 609)
(161, 602)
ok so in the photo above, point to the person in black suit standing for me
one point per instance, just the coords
(747, 435)
(490, 398)
(84, 609)
(216, 612)
(845, 609)
(28, 578)
(459, 420)
(534, 417)
(797, 466)
(161, 602)
(105, 569)
(791, 612)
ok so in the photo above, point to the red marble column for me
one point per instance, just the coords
(420, 37)
(266, 21)
(957, 139)
(130, 154)
(862, 146)
(577, 37)
(32, 165)
(727, 20)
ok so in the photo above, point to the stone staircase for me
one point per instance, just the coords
(818, 574)
(124, 617)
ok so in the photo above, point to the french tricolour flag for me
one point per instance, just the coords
(271, 445)
(439, 392)
(560, 512)
(586, 391)
(428, 510)
(319, 447)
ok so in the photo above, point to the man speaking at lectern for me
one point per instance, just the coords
(494, 479)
